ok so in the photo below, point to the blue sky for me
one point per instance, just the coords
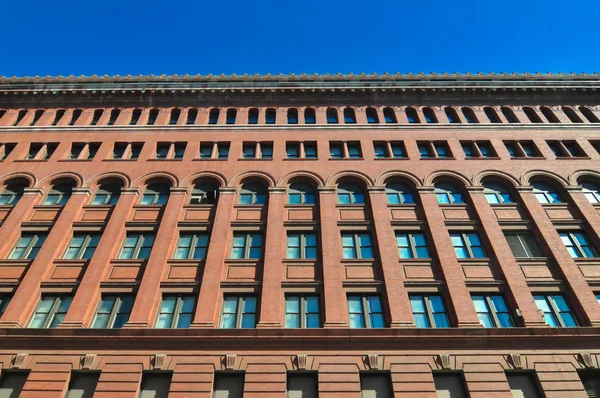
(131, 36)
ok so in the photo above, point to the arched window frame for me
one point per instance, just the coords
(213, 116)
(545, 192)
(570, 113)
(349, 116)
(372, 115)
(59, 195)
(231, 116)
(174, 117)
(492, 115)
(301, 193)
(448, 193)
(531, 114)
(591, 190)
(549, 115)
(270, 116)
(389, 115)
(589, 115)
(152, 116)
(11, 194)
(430, 116)
(253, 193)
(292, 116)
(398, 193)
(469, 115)
(204, 193)
(310, 116)
(412, 115)
(155, 194)
(497, 193)
(332, 116)
(253, 116)
(452, 115)
(106, 194)
(350, 193)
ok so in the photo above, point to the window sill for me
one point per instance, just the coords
(485, 158)
(98, 207)
(241, 206)
(72, 261)
(199, 206)
(165, 160)
(120, 160)
(357, 260)
(531, 259)
(474, 261)
(402, 158)
(15, 262)
(74, 160)
(47, 207)
(336, 159)
(311, 261)
(421, 260)
(157, 207)
(448, 158)
(242, 260)
(30, 160)
(128, 261)
(186, 261)
(573, 158)
(209, 159)
(351, 206)
(305, 159)
(256, 159)
(529, 158)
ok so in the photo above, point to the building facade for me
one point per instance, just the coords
(300, 236)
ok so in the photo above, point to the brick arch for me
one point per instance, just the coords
(171, 178)
(114, 175)
(495, 174)
(304, 174)
(334, 178)
(547, 175)
(450, 174)
(31, 178)
(241, 178)
(576, 176)
(51, 179)
(385, 177)
(190, 180)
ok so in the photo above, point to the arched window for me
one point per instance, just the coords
(292, 116)
(204, 193)
(114, 114)
(37, 116)
(429, 115)
(97, 115)
(570, 113)
(301, 194)
(231, 116)
(2, 113)
(155, 194)
(491, 115)
(107, 194)
(470, 115)
(398, 193)
(270, 116)
(191, 116)
(152, 116)
(213, 116)
(389, 115)
(545, 193)
(253, 194)
(11, 194)
(349, 193)
(175, 114)
(452, 115)
(372, 116)
(332, 116)
(135, 117)
(310, 116)
(531, 115)
(20, 117)
(412, 115)
(589, 115)
(447, 193)
(59, 115)
(253, 116)
(496, 193)
(59, 195)
(509, 115)
(549, 115)
(76, 115)
(591, 191)
(349, 116)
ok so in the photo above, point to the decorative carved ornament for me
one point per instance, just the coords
(586, 359)
(373, 361)
(229, 361)
(515, 360)
(301, 360)
(444, 361)
(159, 361)
(17, 361)
(87, 361)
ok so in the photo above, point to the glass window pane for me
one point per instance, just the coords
(374, 304)
(101, 321)
(568, 319)
(437, 304)
(479, 303)
(355, 304)
(499, 304)
(292, 304)
(292, 320)
(168, 304)
(356, 321)
(312, 321)
(441, 321)
(230, 304)
(422, 252)
(417, 304)
(377, 321)
(504, 320)
(249, 304)
(228, 321)
(164, 321)
(486, 320)
(366, 252)
(461, 252)
(248, 321)
(184, 321)
(421, 320)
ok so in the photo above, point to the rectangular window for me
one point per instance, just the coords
(214, 150)
(301, 150)
(249, 150)
(127, 150)
(228, 385)
(248, 246)
(113, 311)
(302, 385)
(450, 384)
(4, 301)
(477, 149)
(412, 245)
(41, 151)
(179, 150)
(380, 150)
(257, 150)
(82, 246)
(239, 312)
(523, 384)
(301, 245)
(442, 150)
(206, 150)
(162, 150)
(591, 382)
(389, 150)
(492, 311)
(523, 245)
(28, 246)
(5, 150)
(429, 311)
(176, 311)
(292, 150)
(376, 385)
(467, 245)
(336, 150)
(578, 244)
(191, 246)
(84, 150)
(343, 150)
(137, 246)
(82, 384)
(566, 149)
(398, 150)
(76, 150)
(357, 245)
(365, 311)
(354, 151)
(155, 384)
(266, 150)
(302, 311)
(12, 382)
(434, 149)
(50, 311)
(555, 310)
(310, 150)
(522, 149)
(170, 150)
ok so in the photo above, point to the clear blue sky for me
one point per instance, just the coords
(131, 36)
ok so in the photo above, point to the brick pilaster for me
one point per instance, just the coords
(11, 226)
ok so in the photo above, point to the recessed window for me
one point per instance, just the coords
(41, 151)
(349, 193)
(372, 116)
(349, 116)
(477, 149)
(257, 150)
(389, 115)
(376, 385)
(365, 311)
(491, 115)
(231, 116)
(566, 149)
(345, 150)
(555, 310)
(301, 245)
(292, 116)
(127, 150)
(82, 246)
(152, 116)
(59, 195)
(239, 312)
(301, 150)
(11, 194)
(20, 117)
(523, 245)
(253, 116)
(452, 115)
(492, 311)
(192, 115)
(450, 384)
(155, 194)
(302, 311)
(429, 311)
(39, 113)
(113, 311)
(50, 311)
(12, 382)
(509, 114)
(82, 384)
(429, 115)
(301, 385)
(589, 115)
(412, 245)
(135, 117)
(545, 193)
(137, 246)
(84, 151)
(497, 193)
(522, 149)
(591, 382)
(213, 116)
(155, 384)
(106, 194)
(214, 150)
(97, 115)
(469, 115)
(176, 311)
(270, 116)
(332, 116)
(398, 193)
(447, 193)
(191, 246)
(310, 116)
(170, 150)
(114, 115)
(524, 384)
(301, 194)
(590, 190)
(357, 245)
(28, 246)
(412, 115)
(467, 245)
(578, 245)
(75, 116)
(246, 246)
(174, 116)
(389, 150)
(204, 193)
(253, 194)
(434, 149)
(228, 385)
(5, 150)
(532, 115)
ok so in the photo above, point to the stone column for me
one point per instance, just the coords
(10, 230)
(449, 265)
(397, 297)
(82, 309)
(207, 314)
(271, 300)
(148, 296)
(336, 306)
(28, 293)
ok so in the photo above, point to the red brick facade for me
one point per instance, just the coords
(502, 114)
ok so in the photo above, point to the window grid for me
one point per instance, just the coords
(492, 311)
(555, 310)
(399, 194)
(345, 150)
(357, 245)
(389, 150)
(246, 246)
(301, 150)
(239, 312)
(467, 245)
(137, 246)
(522, 149)
(578, 245)
(302, 311)
(567, 149)
(412, 245)
(113, 311)
(477, 149)
(191, 246)
(523, 245)
(365, 311)
(28, 246)
(301, 246)
(434, 150)
(429, 311)
(82, 246)
(50, 311)
(176, 311)
(257, 150)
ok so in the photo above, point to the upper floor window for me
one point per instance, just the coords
(590, 190)
(349, 193)
(257, 150)
(84, 150)
(523, 245)
(155, 194)
(389, 150)
(310, 116)
(97, 115)
(578, 244)
(38, 115)
(589, 115)
(246, 246)
(531, 115)
(389, 115)
(469, 115)
(175, 115)
(192, 115)
(477, 149)
(58, 117)
(452, 115)
(59, 195)
(106, 194)
(434, 149)
(137, 246)
(372, 116)
(41, 151)
(253, 193)
(214, 150)
(365, 311)
(447, 193)
(301, 194)
(429, 311)
(176, 311)
(467, 245)
(75, 116)
(549, 115)
(82, 246)
(191, 246)
(270, 116)
(113, 311)
(114, 115)
(349, 116)
(204, 193)
(5, 150)
(412, 245)
(213, 116)
(429, 115)
(231, 116)
(302, 311)
(301, 150)
(398, 193)
(127, 150)
(301, 245)
(496, 193)
(239, 312)
(11, 194)
(28, 246)
(509, 114)
(292, 116)
(491, 115)
(50, 311)
(357, 245)
(253, 116)
(412, 115)
(545, 193)
(492, 311)
(20, 117)
(566, 149)
(522, 149)
(555, 310)
(170, 150)
(152, 116)
(332, 116)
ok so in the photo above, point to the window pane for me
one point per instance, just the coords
(357, 321)
(421, 320)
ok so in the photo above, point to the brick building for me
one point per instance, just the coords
(332, 236)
